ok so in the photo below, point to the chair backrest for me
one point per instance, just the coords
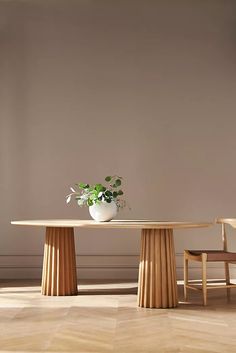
(223, 222)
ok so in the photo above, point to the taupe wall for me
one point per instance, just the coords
(144, 89)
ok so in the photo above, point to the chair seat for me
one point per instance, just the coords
(215, 255)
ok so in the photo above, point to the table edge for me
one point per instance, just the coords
(115, 224)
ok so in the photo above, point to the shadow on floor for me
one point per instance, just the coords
(108, 291)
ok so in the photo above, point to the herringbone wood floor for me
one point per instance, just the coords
(104, 318)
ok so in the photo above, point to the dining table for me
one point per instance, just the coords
(157, 284)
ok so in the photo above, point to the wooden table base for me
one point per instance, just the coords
(59, 264)
(157, 286)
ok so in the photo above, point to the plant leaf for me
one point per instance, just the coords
(108, 178)
(80, 202)
(83, 186)
(89, 202)
(68, 199)
(98, 187)
(118, 182)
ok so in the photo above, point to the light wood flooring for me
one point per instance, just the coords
(104, 318)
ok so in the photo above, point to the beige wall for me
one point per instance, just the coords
(144, 89)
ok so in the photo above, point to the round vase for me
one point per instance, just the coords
(103, 212)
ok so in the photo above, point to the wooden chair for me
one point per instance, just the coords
(205, 256)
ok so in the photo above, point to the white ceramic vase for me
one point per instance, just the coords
(103, 212)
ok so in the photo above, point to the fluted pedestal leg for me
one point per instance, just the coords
(157, 286)
(59, 264)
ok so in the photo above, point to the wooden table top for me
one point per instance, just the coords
(135, 224)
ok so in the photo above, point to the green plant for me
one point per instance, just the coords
(88, 195)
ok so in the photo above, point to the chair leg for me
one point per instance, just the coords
(227, 277)
(204, 278)
(185, 277)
